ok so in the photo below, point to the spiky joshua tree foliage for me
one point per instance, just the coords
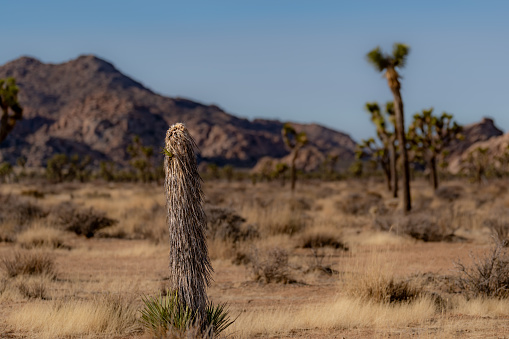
(429, 135)
(190, 267)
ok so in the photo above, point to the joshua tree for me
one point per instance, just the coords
(9, 102)
(388, 139)
(141, 158)
(429, 135)
(190, 267)
(389, 63)
(279, 172)
(477, 164)
(294, 142)
(378, 153)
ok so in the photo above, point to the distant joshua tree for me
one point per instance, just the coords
(477, 164)
(294, 142)
(11, 110)
(190, 267)
(386, 154)
(429, 135)
(389, 63)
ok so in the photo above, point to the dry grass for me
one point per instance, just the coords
(352, 300)
(38, 236)
(28, 263)
(108, 315)
(274, 217)
(342, 313)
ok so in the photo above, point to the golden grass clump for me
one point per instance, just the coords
(55, 319)
(41, 236)
(342, 313)
(376, 284)
(28, 263)
(190, 267)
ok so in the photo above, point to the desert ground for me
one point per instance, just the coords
(331, 260)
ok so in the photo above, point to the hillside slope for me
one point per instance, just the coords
(86, 106)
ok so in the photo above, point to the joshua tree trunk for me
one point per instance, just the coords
(433, 172)
(190, 267)
(293, 169)
(394, 172)
(394, 85)
(387, 173)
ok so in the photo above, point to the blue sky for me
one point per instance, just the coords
(290, 60)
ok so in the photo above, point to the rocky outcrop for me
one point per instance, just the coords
(497, 150)
(86, 106)
(475, 135)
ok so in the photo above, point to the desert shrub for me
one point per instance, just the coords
(29, 263)
(33, 193)
(380, 288)
(361, 204)
(81, 221)
(224, 224)
(19, 213)
(32, 289)
(149, 223)
(282, 221)
(300, 204)
(433, 227)
(40, 236)
(166, 317)
(498, 223)
(489, 274)
(139, 223)
(320, 239)
(271, 265)
(449, 193)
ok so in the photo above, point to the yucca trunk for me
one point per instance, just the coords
(395, 86)
(394, 172)
(433, 171)
(190, 267)
(293, 171)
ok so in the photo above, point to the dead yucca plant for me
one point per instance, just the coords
(190, 267)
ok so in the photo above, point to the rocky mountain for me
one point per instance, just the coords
(474, 135)
(86, 106)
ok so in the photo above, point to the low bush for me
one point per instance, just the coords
(498, 223)
(40, 236)
(28, 263)
(224, 224)
(271, 265)
(320, 239)
(33, 289)
(380, 288)
(81, 221)
(361, 204)
(33, 193)
(449, 193)
(433, 226)
(16, 214)
(489, 274)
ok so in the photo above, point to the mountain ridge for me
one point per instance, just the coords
(87, 106)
